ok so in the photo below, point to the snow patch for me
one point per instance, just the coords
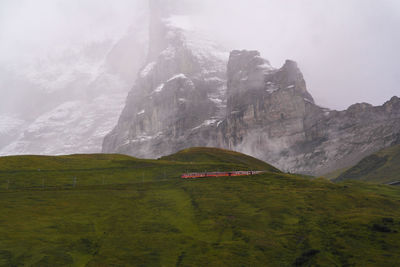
(141, 112)
(205, 123)
(72, 127)
(180, 22)
(215, 100)
(147, 69)
(214, 79)
(159, 88)
(178, 76)
(271, 87)
(272, 90)
(308, 100)
(141, 138)
(266, 66)
(168, 53)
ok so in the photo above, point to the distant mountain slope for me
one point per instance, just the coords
(74, 99)
(380, 167)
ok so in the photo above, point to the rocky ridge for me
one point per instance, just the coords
(190, 93)
(273, 117)
(181, 90)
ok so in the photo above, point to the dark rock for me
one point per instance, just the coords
(381, 228)
(305, 257)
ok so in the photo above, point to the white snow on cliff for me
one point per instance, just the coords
(200, 43)
(73, 127)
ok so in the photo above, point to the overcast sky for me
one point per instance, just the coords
(348, 50)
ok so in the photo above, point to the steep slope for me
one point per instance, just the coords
(189, 94)
(180, 90)
(271, 116)
(76, 97)
(380, 167)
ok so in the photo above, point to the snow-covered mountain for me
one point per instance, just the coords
(75, 96)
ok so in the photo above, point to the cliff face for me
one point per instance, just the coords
(180, 90)
(190, 93)
(267, 107)
(273, 117)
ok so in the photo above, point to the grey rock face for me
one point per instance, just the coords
(187, 95)
(179, 92)
(273, 117)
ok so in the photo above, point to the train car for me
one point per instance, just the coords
(218, 174)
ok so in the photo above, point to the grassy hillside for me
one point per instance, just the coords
(201, 154)
(273, 219)
(381, 167)
(98, 169)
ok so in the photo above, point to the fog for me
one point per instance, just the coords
(347, 50)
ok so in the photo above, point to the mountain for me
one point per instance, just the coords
(191, 93)
(270, 115)
(76, 97)
(380, 167)
(181, 90)
(115, 210)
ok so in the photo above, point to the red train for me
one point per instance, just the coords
(218, 174)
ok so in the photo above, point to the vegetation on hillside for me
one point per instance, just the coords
(99, 169)
(380, 167)
(273, 219)
(203, 154)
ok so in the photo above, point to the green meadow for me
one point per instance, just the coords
(122, 211)
(380, 167)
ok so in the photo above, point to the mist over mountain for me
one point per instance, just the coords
(148, 78)
(65, 96)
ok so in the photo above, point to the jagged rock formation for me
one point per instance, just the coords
(273, 117)
(186, 96)
(180, 90)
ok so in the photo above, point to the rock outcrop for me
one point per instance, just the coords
(179, 91)
(191, 94)
(273, 117)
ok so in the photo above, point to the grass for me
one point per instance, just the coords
(18, 172)
(273, 219)
(381, 167)
(210, 155)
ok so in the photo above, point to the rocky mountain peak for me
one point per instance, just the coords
(180, 90)
(246, 71)
(393, 105)
(189, 94)
(359, 107)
